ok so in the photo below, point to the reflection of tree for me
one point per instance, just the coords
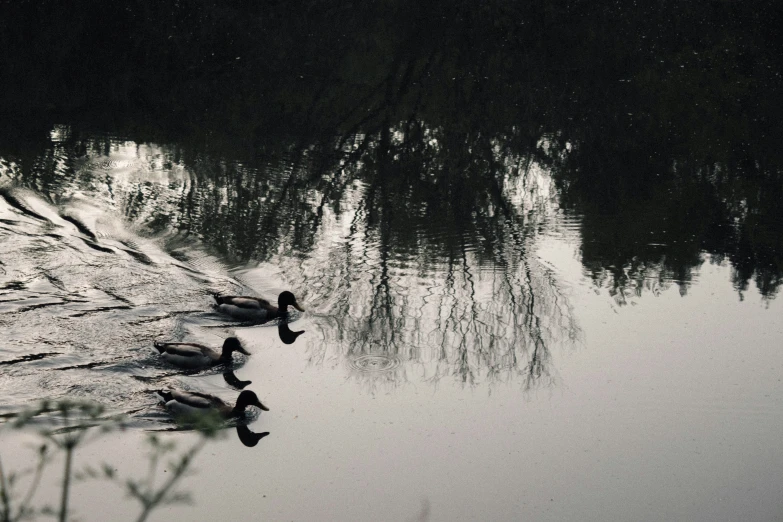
(433, 270)
(434, 252)
(418, 136)
(668, 108)
(634, 241)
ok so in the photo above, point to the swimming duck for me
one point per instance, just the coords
(248, 308)
(182, 403)
(192, 355)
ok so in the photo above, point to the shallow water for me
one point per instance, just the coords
(488, 371)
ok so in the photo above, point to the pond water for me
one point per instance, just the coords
(443, 373)
(540, 281)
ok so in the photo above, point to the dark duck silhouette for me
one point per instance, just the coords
(287, 335)
(249, 438)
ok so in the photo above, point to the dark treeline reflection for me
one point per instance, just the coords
(420, 130)
(657, 120)
(399, 255)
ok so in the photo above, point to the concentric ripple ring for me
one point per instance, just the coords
(375, 363)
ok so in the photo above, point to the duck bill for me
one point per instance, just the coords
(242, 350)
(296, 305)
(261, 405)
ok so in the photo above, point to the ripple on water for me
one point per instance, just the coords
(81, 306)
(375, 363)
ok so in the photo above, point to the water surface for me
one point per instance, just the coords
(500, 370)
(541, 280)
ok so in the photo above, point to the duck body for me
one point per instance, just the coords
(192, 355)
(192, 404)
(187, 355)
(246, 308)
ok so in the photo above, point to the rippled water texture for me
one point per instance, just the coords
(538, 245)
(83, 297)
(117, 253)
(461, 319)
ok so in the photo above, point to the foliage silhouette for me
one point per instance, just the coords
(76, 423)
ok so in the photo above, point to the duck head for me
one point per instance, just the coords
(231, 345)
(286, 299)
(248, 398)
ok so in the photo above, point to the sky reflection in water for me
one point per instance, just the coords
(410, 295)
(539, 244)
(495, 291)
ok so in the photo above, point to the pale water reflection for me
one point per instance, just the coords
(472, 304)
(467, 348)
(539, 245)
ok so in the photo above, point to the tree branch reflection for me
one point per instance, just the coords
(403, 178)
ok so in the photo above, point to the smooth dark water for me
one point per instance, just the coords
(540, 249)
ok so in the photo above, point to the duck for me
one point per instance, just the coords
(189, 404)
(248, 308)
(192, 355)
